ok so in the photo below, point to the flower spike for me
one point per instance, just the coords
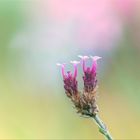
(70, 82)
(85, 101)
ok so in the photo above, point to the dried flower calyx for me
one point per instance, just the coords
(85, 101)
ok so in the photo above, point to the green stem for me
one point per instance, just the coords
(102, 127)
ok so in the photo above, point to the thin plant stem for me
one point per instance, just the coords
(102, 127)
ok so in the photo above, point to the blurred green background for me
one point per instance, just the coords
(36, 34)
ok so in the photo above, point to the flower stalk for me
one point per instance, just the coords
(85, 101)
(102, 127)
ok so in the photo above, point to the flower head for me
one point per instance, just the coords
(70, 82)
(89, 77)
(84, 102)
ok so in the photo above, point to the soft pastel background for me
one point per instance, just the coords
(36, 34)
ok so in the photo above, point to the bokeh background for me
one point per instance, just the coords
(36, 34)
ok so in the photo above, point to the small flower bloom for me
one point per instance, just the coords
(94, 63)
(75, 63)
(89, 77)
(70, 82)
(84, 58)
